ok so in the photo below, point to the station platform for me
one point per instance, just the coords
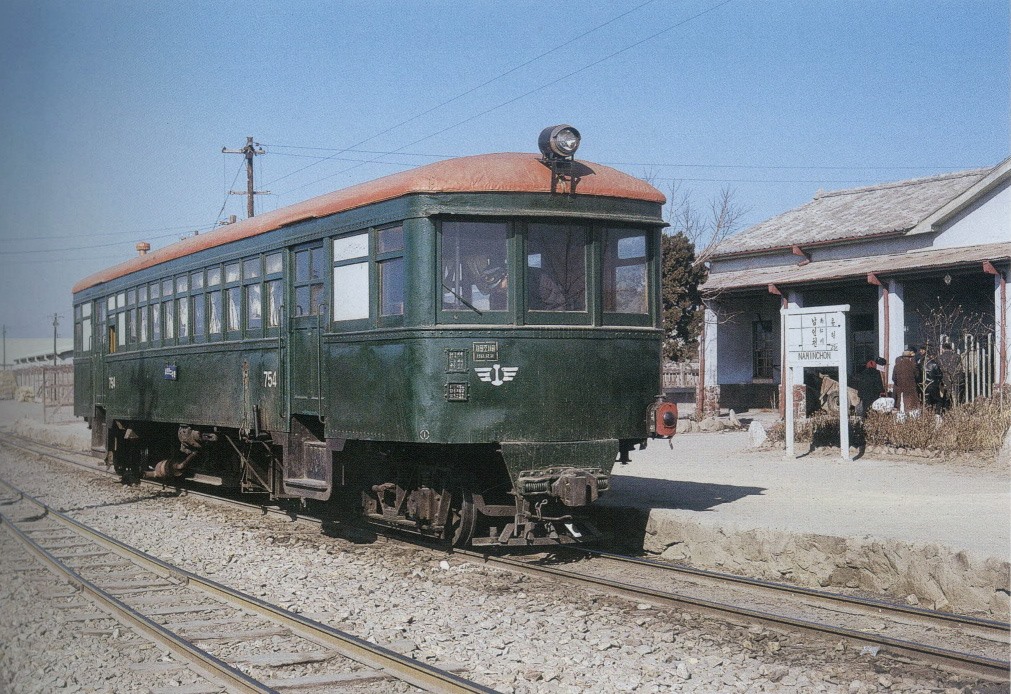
(932, 533)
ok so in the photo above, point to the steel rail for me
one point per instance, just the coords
(966, 663)
(202, 662)
(912, 613)
(402, 667)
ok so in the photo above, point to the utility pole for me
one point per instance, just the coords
(5, 347)
(56, 324)
(249, 151)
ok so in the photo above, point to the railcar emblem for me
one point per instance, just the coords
(497, 375)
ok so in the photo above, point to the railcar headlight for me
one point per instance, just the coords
(558, 141)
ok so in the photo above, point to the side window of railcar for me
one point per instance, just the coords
(233, 298)
(214, 306)
(197, 305)
(143, 313)
(274, 267)
(556, 267)
(390, 266)
(183, 307)
(351, 277)
(475, 266)
(82, 327)
(131, 313)
(155, 294)
(310, 287)
(251, 273)
(624, 268)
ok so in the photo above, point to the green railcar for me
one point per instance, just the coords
(462, 350)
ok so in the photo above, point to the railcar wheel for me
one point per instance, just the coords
(462, 519)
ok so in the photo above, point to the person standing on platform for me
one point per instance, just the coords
(904, 377)
(867, 382)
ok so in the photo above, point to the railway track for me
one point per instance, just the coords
(225, 636)
(927, 636)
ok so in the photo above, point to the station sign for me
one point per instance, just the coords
(815, 337)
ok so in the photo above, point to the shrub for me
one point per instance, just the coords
(977, 427)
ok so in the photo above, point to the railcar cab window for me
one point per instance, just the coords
(310, 288)
(390, 265)
(475, 267)
(351, 277)
(556, 267)
(624, 268)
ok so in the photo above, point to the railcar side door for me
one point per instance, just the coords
(308, 320)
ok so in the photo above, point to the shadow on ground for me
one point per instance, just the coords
(624, 527)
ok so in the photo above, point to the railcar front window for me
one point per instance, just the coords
(625, 288)
(310, 291)
(475, 266)
(556, 267)
(351, 277)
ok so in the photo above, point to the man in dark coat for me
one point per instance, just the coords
(867, 382)
(949, 363)
(904, 377)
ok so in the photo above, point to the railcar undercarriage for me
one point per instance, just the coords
(459, 494)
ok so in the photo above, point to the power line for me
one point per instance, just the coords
(473, 89)
(676, 165)
(532, 91)
(135, 232)
(79, 248)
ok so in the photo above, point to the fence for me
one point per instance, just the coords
(978, 364)
(680, 375)
(53, 386)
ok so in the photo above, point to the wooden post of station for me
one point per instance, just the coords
(816, 336)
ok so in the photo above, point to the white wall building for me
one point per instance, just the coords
(906, 256)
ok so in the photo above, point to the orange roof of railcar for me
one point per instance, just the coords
(485, 173)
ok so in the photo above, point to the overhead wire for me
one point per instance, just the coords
(472, 89)
(529, 92)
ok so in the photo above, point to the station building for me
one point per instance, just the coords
(919, 262)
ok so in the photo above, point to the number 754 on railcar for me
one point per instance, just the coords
(462, 350)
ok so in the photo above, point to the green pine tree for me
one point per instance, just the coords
(682, 303)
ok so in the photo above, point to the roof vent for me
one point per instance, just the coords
(143, 247)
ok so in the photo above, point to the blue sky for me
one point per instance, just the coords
(114, 113)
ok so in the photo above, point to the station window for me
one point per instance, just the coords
(310, 296)
(390, 264)
(624, 267)
(556, 267)
(351, 277)
(764, 344)
(475, 266)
